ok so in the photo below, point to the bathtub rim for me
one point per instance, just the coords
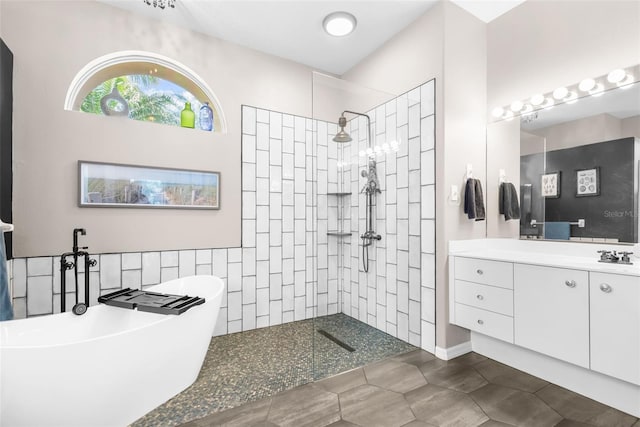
(161, 318)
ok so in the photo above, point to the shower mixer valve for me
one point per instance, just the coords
(371, 235)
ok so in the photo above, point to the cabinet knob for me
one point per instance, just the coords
(604, 287)
(480, 272)
(570, 283)
(480, 297)
(480, 322)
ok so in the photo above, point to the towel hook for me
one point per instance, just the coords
(469, 173)
(502, 176)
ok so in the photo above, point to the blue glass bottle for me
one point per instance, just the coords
(206, 117)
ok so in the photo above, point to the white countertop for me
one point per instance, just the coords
(577, 256)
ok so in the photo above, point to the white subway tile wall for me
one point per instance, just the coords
(398, 294)
(288, 267)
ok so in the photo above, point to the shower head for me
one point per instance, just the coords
(342, 136)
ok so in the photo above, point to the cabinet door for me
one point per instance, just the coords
(551, 312)
(615, 326)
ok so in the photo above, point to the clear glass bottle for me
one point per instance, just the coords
(206, 117)
(187, 116)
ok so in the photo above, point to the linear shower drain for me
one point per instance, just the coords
(336, 340)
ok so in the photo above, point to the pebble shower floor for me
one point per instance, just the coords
(248, 366)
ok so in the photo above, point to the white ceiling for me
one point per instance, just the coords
(293, 29)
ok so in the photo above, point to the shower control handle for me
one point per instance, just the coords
(370, 235)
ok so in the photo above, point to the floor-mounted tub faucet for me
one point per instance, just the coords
(77, 252)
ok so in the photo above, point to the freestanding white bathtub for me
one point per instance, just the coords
(107, 367)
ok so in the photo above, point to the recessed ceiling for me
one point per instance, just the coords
(293, 29)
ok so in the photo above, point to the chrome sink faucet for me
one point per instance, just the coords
(613, 257)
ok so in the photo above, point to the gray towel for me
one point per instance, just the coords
(474, 200)
(508, 201)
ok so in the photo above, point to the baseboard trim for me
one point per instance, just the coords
(453, 352)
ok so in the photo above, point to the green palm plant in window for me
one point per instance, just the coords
(148, 98)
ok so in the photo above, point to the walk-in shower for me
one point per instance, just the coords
(371, 187)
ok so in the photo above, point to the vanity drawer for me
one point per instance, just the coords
(494, 273)
(490, 298)
(485, 322)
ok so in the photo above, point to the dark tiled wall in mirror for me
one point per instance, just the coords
(612, 213)
(6, 117)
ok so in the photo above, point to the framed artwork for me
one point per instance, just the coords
(129, 186)
(588, 182)
(551, 185)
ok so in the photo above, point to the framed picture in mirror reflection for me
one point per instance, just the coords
(588, 182)
(551, 185)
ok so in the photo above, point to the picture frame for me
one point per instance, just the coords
(133, 186)
(588, 182)
(550, 185)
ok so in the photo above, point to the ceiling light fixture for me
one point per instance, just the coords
(338, 24)
(161, 3)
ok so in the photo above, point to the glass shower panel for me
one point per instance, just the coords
(354, 135)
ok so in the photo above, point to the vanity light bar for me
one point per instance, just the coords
(618, 78)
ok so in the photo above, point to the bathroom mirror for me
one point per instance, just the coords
(579, 168)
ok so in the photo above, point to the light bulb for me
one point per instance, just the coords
(516, 106)
(537, 99)
(497, 112)
(560, 93)
(586, 85)
(616, 76)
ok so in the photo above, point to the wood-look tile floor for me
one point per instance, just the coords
(416, 390)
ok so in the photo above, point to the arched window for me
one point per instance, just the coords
(142, 86)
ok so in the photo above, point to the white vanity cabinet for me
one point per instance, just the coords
(551, 312)
(615, 325)
(587, 318)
